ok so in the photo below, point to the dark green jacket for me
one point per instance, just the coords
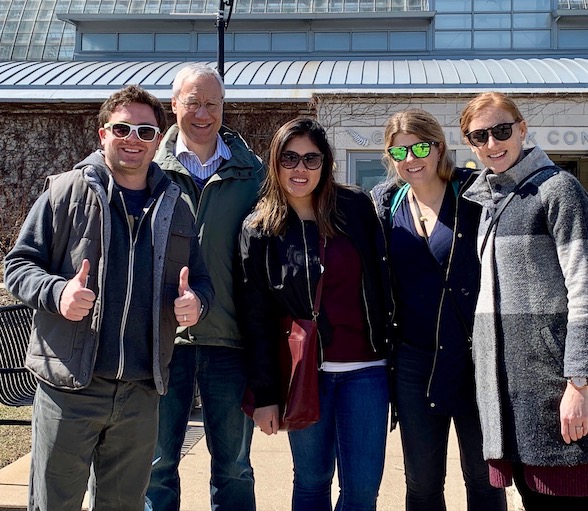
(227, 198)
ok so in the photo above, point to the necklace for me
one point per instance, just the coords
(422, 218)
(434, 209)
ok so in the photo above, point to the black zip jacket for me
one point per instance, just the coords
(280, 278)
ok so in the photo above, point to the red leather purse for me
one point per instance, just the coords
(299, 387)
(298, 359)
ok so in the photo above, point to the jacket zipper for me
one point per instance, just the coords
(438, 326)
(367, 315)
(129, 291)
(390, 280)
(307, 259)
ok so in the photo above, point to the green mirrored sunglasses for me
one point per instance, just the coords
(419, 150)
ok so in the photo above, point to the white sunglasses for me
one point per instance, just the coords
(145, 132)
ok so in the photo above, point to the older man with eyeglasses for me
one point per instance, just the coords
(109, 260)
(221, 176)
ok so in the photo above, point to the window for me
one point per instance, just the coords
(453, 21)
(208, 42)
(573, 39)
(135, 42)
(409, 41)
(172, 42)
(331, 41)
(370, 41)
(492, 21)
(493, 25)
(252, 42)
(492, 40)
(533, 20)
(453, 40)
(531, 39)
(366, 169)
(290, 41)
(492, 5)
(99, 42)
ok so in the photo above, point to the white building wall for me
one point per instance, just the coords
(557, 123)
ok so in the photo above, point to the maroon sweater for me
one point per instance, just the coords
(343, 304)
(560, 481)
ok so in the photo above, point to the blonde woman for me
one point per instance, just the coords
(431, 234)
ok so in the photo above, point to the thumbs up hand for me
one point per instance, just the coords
(76, 299)
(187, 304)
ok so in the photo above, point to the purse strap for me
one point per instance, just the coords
(505, 203)
(319, 286)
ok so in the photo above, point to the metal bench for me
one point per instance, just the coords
(17, 384)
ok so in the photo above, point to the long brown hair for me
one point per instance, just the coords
(423, 125)
(271, 210)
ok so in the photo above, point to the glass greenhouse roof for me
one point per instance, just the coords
(30, 29)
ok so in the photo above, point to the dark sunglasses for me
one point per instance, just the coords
(144, 132)
(290, 160)
(502, 131)
(420, 150)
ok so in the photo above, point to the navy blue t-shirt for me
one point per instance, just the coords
(135, 201)
(417, 271)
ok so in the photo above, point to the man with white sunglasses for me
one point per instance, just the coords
(109, 260)
(221, 175)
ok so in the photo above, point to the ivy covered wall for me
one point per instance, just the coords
(38, 140)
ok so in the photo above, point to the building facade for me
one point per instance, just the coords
(352, 63)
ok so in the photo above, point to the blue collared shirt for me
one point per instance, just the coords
(202, 171)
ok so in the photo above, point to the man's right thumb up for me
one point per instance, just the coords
(82, 275)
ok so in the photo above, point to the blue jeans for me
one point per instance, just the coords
(221, 376)
(110, 424)
(352, 430)
(174, 412)
(424, 443)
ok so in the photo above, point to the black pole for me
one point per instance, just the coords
(220, 25)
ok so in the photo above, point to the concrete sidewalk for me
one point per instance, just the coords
(272, 463)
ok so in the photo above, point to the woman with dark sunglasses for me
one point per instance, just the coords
(301, 209)
(530, 340)
(431, 233)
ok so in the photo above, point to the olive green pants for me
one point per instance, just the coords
(110, 424)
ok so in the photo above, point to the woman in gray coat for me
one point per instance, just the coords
(530, 340)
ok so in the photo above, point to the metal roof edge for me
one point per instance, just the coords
(276, 95)
(76, 17)
(296, 80)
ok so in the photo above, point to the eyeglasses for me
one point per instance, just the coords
(420, 150)
(290, 160)
(502, 131)
(123, 130)
(194, 106)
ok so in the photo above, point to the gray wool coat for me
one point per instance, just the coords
(531, 321)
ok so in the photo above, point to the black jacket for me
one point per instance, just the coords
(281, 275)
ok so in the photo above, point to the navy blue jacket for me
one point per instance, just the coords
(451, 377)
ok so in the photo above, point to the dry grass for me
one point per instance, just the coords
(15, 441)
